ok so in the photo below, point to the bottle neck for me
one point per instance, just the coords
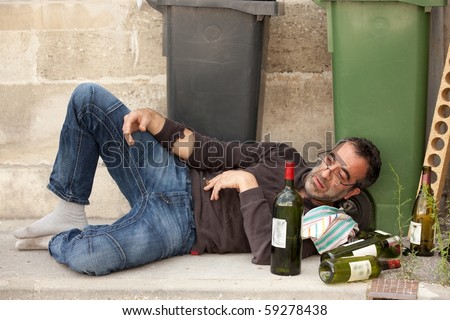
(289, 174)
(389, 264)
(426, 176)
(391, 241)
(425, 188)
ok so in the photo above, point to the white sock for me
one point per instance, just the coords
(39, 243)
(67, 215)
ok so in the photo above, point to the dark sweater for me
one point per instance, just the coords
(238, 222)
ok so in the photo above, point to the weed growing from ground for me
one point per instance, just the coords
(399, 203)
(442, 241)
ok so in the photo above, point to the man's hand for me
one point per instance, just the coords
(151, 121)
(237, 179)
(143, 120)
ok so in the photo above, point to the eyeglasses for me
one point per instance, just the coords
(329, 159)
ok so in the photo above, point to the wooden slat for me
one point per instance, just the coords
(438, 147)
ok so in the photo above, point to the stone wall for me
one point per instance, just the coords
(49, 47)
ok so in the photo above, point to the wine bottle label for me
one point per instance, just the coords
(360, 270)
(279, 230)
(414, 232)
(366, 251)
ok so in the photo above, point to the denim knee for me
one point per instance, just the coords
(82, 94)
(92, 255)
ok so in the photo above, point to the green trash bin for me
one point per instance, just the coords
(380, 74)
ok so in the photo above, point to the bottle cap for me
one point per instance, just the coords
(394, 263)
(393, 241)
(426, 175)
(396, 249)
(289, 170)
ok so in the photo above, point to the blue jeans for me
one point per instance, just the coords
(156, 184)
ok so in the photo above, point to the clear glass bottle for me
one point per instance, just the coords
(374, 246)
(421, 232)
(286, 228)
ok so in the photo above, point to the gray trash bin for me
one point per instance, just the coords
(215, 52)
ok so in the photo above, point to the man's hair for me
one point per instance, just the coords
(367, 150)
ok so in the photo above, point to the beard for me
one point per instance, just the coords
(330, 192)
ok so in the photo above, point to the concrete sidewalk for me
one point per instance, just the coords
(35, 275)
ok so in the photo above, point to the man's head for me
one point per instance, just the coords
(352, 165)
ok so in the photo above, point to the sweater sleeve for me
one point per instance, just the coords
(257, 224)
(171, 132)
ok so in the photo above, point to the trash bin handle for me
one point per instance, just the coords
(266, 8)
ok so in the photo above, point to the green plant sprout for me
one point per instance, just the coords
(441, 243)
(399, 205)
(407, 268)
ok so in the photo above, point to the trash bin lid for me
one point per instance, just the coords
(419, 3)
(265, 8)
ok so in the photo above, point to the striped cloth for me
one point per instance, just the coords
(328, 227)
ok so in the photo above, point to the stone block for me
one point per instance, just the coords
(298, 110)
(57, 15)
(18, 15)
(24, 193)
(298, 40)
(79, 14)
(18, 52)
(140, 20)
(72, 54)
(33, 113)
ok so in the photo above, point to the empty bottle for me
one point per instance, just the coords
(374, 246)
(350, 269)
(286, 228)
(421, 233)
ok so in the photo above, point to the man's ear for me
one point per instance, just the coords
(352, 193)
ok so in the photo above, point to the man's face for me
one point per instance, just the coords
(331, 180)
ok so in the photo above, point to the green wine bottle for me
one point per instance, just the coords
(421, 233)
(350, 269)
(287, 243)
(392, 251)
(374, 246)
